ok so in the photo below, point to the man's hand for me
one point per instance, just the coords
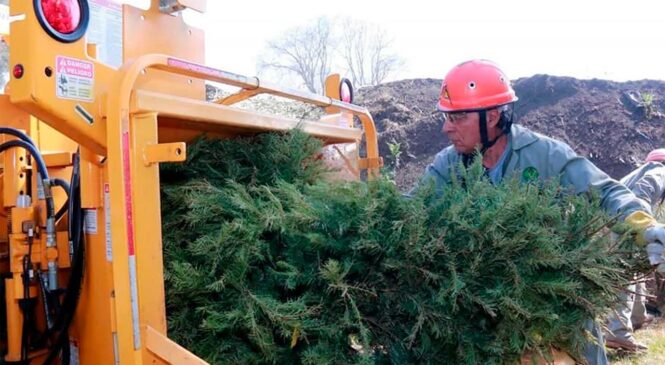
(655, 239)
(653, 235)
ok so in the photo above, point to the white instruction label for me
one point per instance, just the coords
(74, 78)
(107, 222)
(105, 30)
(4, 19)
(90, 220)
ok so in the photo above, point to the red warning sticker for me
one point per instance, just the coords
(74, 78)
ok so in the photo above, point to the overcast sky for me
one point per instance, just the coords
(616, 40)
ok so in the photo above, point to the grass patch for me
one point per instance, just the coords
(652, 336)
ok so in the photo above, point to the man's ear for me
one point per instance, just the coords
(493, 117)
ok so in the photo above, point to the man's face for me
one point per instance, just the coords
(463, 131)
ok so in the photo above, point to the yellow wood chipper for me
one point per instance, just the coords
(99, 95)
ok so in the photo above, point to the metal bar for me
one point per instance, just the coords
(238, 97)
(214, 117)
(187, 68)
(168, 350)
(184, 67)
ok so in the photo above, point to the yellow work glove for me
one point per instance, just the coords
(652, 234)
(640, 221)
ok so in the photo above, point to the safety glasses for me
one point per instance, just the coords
(455, 117)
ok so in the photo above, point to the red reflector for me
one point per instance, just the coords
(63, 15)
(345, 92)
(17, 71)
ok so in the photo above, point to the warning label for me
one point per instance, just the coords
(90, 220)
(105, 30)
(74, 78)
(4, 19)
(107, 222)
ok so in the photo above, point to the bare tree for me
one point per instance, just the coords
(305, 52)
(366, 53)
(309, 52)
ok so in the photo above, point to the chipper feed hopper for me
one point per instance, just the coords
(99, 95)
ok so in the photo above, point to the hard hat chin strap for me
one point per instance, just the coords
(468, 158)
(484, 139)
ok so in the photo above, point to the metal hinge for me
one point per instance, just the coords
(164, 152)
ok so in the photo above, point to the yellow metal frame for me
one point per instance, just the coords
(142, 114)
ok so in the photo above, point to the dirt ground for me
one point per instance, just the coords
(602, 120)
(654, 337)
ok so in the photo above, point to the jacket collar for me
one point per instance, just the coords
(521, 137)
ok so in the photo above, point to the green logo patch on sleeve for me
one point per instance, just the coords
(530, 174)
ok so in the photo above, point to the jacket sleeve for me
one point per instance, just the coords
(651, 186)
(584, 176)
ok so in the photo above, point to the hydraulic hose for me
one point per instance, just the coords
(66, 311)
(25, 142)
(16, 133)
(70, 301)
(65, 186)
(41, 167)
(61, 183)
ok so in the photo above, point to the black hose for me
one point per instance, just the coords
(24, 141)
(70, 301)
(66, 314)
(46, 299)
(41, 166)
(74, 207)
(22, 137)
(65, 186)
(61, 183)
(25, 308)
(61, 211)
(54, 296)
(16, 133)
(27, 303)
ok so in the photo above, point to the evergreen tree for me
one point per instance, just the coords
(267, 263)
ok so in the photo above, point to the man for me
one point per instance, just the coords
(648, 183)
(476, 99)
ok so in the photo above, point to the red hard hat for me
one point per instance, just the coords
(656, 155)
(475, 85)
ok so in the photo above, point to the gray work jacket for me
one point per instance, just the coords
(647, 182)
(536, 156)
